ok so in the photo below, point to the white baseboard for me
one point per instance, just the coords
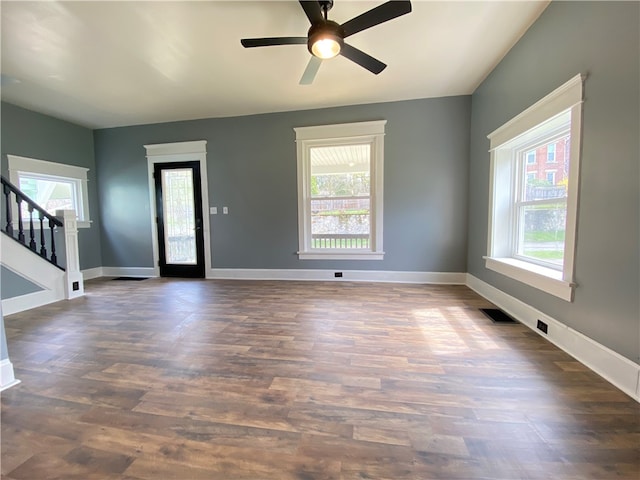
(613, 367)
(7, 378)
(91, 273)
(446, 278)
(129, 272)
(31, 300)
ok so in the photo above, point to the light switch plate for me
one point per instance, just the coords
(213, 210)
(225, 210)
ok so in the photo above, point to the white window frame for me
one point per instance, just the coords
(553, 176)
(513, 135)
(530, 160)
(78, 175)
(371, 133)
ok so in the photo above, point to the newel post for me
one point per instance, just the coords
(74, 283)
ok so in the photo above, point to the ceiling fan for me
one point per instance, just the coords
(325, 38)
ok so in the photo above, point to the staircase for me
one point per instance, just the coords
(28, 249)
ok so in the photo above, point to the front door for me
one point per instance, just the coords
(179, 219)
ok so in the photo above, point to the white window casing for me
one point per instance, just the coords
(32, 168)
(545, 119)
(370, 133)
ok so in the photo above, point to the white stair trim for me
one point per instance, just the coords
(30, 266)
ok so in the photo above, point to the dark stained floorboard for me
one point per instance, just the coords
(202, 379)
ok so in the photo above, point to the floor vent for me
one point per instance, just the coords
(497, 316)
(137, 279)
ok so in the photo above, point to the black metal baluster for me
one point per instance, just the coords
(9, 227)
(43, 249)
(54, 259)
(32, 242)
(20, 225)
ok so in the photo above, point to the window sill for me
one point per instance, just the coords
(536, 276)
(340, 255)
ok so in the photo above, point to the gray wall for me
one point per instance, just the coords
(251, 164)
(14, 285)
(30, 134)
(600, 39)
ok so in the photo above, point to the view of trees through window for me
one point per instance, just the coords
(340, 197)
(178, 215)
(542, 209)
(51, 193)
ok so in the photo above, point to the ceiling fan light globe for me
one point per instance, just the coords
(325, 39)
(325, 48)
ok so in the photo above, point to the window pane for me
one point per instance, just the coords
(50, 193)
(542, 232)
(340, 196)
(179, 216)
(541, 183)
(531, 157)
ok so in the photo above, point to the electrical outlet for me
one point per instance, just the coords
(337, 274)
(75, 286)
(542, 326)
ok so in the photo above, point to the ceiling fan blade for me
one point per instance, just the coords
(362, 59)
(269, 42)
(310, 72)
(313, 10)
(376, 16)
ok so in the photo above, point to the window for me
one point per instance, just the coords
(532, 221)
(53, 186)
(551, 153)
(551, 177)
(531, 157)
(340, 183)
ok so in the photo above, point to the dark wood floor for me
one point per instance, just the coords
(194, 379)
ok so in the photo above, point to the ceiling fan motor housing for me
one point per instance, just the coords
(326, 30)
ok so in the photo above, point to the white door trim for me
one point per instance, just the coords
(195, 151)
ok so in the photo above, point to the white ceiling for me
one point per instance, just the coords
(106, 64)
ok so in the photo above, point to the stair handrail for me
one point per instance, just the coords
(7, 189)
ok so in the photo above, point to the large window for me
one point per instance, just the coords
(340, 191)
(53, 186)
(532, 223)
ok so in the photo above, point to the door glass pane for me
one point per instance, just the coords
(179, 216)
(340, 196)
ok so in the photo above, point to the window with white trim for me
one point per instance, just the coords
(340, 191)
(551, 153)
(53, 186)
(533, 218)
(531, 157)
(551, 177)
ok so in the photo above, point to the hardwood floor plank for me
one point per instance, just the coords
(202, 379)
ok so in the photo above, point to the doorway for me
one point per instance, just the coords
(179, 219)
